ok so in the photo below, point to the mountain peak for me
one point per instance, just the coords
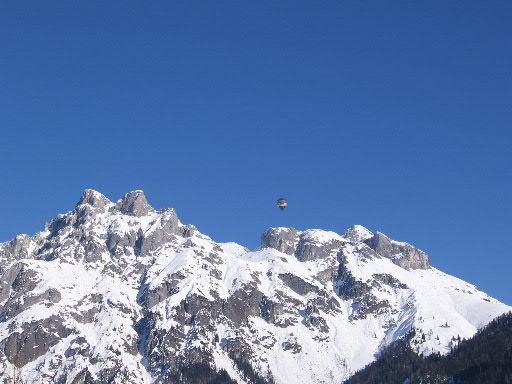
(111, 284)
(357, 233)
(401, 254)
(93, 198)
(281, 238)
(134, 203)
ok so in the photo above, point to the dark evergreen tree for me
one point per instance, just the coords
(248, 372)
(199, 373)
(486, 358)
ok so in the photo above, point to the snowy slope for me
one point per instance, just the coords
(122, 293)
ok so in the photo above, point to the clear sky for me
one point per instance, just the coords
(395, 115)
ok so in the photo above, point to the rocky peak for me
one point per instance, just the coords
(401, 254)
(17, 248)
(94, 199)
(306, 245)
(152, 289)
(357, 234)
(283, 239)
(134, 203)
(317, 244)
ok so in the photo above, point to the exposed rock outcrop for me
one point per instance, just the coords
(119, 293)
(283, 239)
(134, 203)
(402, 254)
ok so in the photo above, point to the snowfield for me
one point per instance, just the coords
(118, 292)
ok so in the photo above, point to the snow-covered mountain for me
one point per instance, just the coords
(122, 293)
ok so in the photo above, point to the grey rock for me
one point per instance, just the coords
(312, 316)
(169, 287)
(357, 234)
(78, 346)
(242, 304)
(17, 282)
(19, 302)
(93, 199)
(168, 228)
(327, 275)
(402, 254)
(308, 249)
(283, 239)
(119, 245)
(300, 244)
(297, 284)
(389, 280)
(347, 287)
(292, 346)
(82, 377)
(360, 292)
(171, 323)
(369, 305)
(280, 312)
(34, 340)
(17, 247)
(134, 203)
(188, 230)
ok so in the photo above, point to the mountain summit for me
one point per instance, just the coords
(118, 292)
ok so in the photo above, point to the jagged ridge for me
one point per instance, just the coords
(121, 292)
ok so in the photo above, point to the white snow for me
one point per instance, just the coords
(433, 303)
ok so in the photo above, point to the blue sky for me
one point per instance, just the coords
(394, 115)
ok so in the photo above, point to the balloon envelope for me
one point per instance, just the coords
(282, 203)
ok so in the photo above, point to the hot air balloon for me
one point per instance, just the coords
(282, 203)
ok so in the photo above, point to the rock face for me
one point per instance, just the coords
(283, 239)
(118, 292)
(402, 254)
(357, 234)
(134, 203)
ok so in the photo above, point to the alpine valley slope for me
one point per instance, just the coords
(122, 293)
